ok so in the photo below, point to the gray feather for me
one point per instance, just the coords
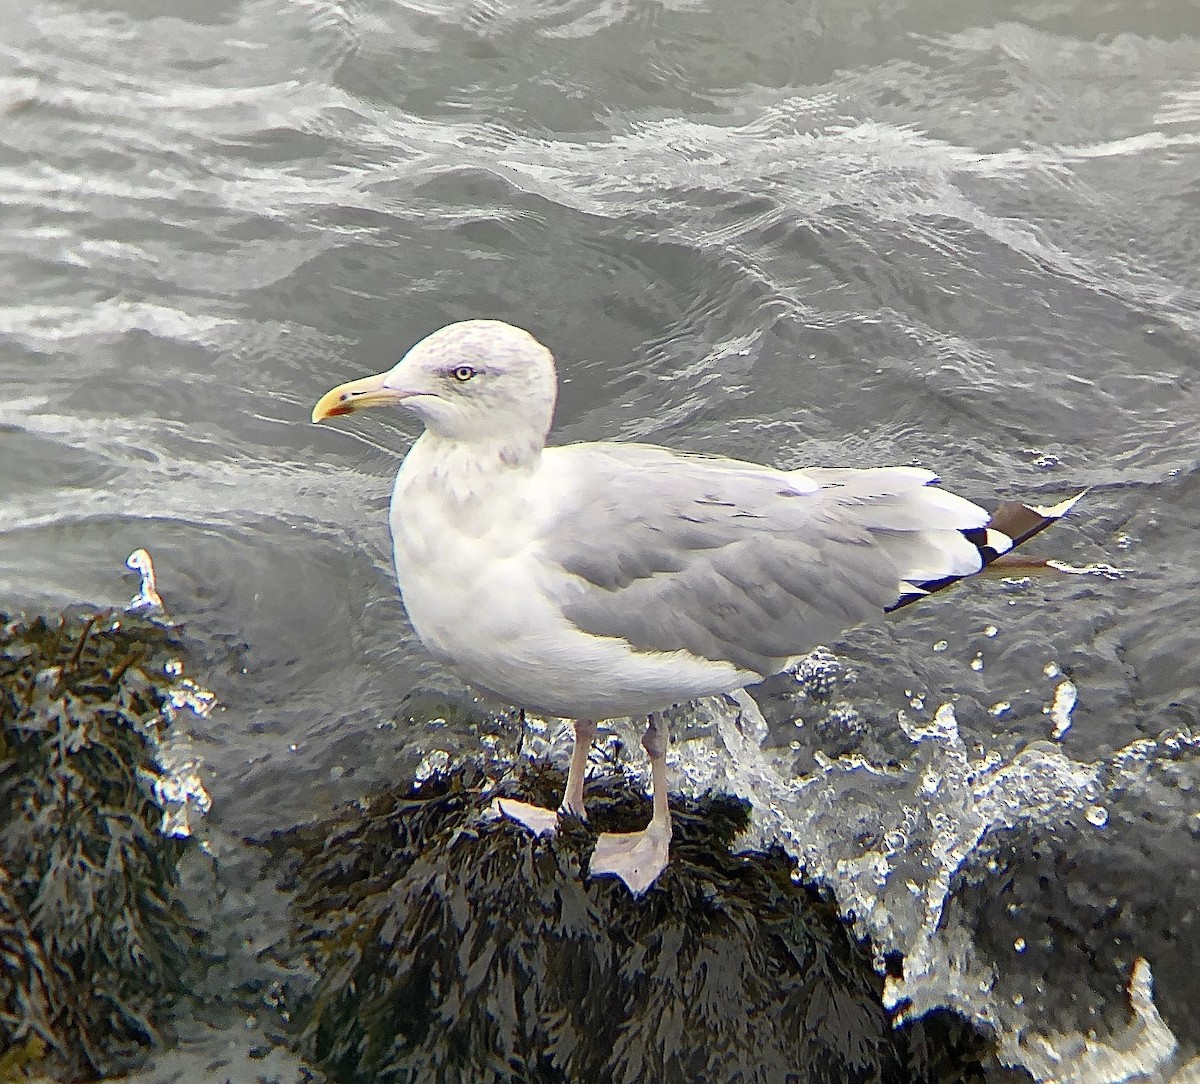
(736, 562)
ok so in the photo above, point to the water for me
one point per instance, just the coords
(956, 235)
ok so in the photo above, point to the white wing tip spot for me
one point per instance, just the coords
(998, 540)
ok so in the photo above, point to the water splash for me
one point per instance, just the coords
(1060, 708)
(178, 786)
(147, 597)
(1096, 568)
(817, 673)
(1144, 1051)
(435, 762)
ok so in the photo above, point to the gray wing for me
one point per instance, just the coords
(733, 561)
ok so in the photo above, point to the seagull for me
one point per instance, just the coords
(604, 579)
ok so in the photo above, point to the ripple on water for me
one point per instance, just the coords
(831, 235)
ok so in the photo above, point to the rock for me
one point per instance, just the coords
(453, 948)
(93, 940)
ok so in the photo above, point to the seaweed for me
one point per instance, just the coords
(92, 937)
(450, 947)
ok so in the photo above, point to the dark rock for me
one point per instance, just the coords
(452, 948)
(92, 939)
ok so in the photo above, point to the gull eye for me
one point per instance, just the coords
(462, 373)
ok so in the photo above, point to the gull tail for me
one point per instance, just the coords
(1009, 526)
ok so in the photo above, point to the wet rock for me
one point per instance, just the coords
(449, 947)
(93, 940)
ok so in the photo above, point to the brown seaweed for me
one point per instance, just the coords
(93, 940)
(453, 948)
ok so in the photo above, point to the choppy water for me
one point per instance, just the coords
(843, 233)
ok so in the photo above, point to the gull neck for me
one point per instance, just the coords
(488, 455)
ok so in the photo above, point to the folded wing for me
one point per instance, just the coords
(741, 563)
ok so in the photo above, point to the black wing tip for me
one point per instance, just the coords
(1011, 525)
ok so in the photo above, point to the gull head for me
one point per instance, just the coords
(478, 380)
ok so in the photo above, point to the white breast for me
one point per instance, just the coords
(481, 597)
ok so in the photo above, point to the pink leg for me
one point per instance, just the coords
(541, 821)
(639, 857)
(585, 731)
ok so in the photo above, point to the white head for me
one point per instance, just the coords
(475, 381)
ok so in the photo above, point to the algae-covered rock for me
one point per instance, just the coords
(92, 938)
(451, 948)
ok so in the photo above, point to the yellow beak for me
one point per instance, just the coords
(356, 395)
